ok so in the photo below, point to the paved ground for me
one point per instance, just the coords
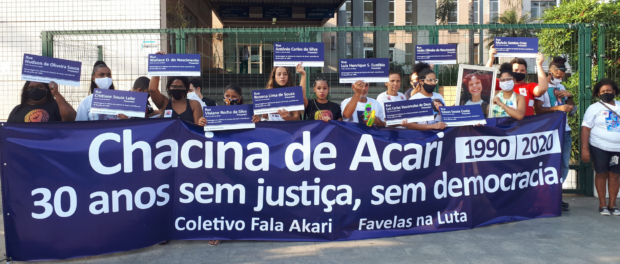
(579, 236)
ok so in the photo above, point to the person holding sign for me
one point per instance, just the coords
(600, 137)
(38, 104)
(355, 107)
(392, 94)
(529, 90)
(471, 91)
(414, 78)
(507, 103)
(141, 85)
(280, 77)
(101, 78)
(425, 89)
(320, 108)
(234, 96)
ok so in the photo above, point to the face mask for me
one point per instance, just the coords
(193, 96)
(555, 81)
(429, 88)
(178, 93)
(36, 94)
(518, 76)
(231, 101)
(507, 85)
(103, 83)
(607, 97)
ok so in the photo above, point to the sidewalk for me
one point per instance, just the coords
(581, 235)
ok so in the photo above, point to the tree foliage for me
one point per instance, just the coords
(444, 12)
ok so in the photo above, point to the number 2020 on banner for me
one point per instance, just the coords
(526, 146)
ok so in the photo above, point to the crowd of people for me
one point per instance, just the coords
(514, 97)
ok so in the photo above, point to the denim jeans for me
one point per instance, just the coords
(566, 150)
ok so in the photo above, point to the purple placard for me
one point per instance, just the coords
(415, 110)
(367, 70)
(114, 102)
(45, 69)
(174, 65)
(289, 54)
(269, 101)
(228, 117)
(516, 47)
(464, 115)
(436, 54)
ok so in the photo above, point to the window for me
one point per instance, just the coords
(391, 12)
(368, 13)
(348, 8)
(454, 18)
(409, 12)
(494, 10)
(476, 16)
(538, 9)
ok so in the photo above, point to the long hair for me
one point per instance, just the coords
(272, 79)
(174, 78)
(98, 65)
(237, 89)
(486, 86)
(24, 96)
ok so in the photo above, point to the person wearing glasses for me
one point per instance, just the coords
(600, 137)
(427, 82)
(557, 98)
(507, 103)
(320, 108)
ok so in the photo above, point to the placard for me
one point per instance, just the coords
(114, 102)
(289, 54)
(45, 69)
(436, 54)
(465, 115)
(269, 101)
(234, 12)
(174, 65)
(367, 70)
(476, 86)
(228, 117)
(516, 47)
(416, 110)
(319, 12)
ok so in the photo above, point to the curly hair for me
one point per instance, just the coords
(486, 86)
(603, 82)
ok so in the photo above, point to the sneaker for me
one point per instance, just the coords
(603, 210)
(564, 206)
(615, 211)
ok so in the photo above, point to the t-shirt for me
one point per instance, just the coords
(384, 97)
(433, 97)
(605, 126)
(360, 108)
(545, 98)
(84, 114)
(45, 112)
(209, 102)
(527, 90)
(330, 109)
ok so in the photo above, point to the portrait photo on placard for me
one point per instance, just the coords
(476, 86)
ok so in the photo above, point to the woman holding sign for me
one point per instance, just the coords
(507, 103)
(38, 104)
(320, 108)
(234, 96)
(101, 78)
(280, 77)
(425, 89)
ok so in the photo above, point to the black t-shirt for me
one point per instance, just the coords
(330, 109)
(208, 101)
(46, 112)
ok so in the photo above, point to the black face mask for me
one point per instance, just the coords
(607, 97)
(36, 94)
(429, 88)
(518, 76)
(232, 101)
(177, 93)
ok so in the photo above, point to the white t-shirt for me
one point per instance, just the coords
(605, 133)
(384, 97)
(433, 97)
(547, 101)
(84, 114)
(360, 108)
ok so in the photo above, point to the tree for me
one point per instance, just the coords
(510, 17)
(445, 11)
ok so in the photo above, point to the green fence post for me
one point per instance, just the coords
(180, 41)
(47, 44)
(99, 52)
(434, 39)
(585, 84)
(600, 55)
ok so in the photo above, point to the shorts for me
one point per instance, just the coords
(601, 158)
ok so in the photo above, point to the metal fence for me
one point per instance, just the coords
(125, 51)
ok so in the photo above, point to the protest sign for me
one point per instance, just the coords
(114, 102)
(289, 54)
(416, 110)
(269, 101)
(45, 69)
(436, 54)
(465, 115)
(228, 117)
(174, 65)
(516, 47)
(476, 86)
(367, 70)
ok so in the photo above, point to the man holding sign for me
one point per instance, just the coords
(353, 108)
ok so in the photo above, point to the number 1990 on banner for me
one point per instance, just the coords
(518, 147)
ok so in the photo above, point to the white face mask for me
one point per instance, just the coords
(507, 85)
(555, 81)
(193, 96)
(103, 83)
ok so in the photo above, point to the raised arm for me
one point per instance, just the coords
(66, 110)
(302, 83)
(543, 84)
(159, 99)
(349, 109)
(492, 53)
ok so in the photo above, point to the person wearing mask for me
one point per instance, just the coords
(353, 108)
(529, 90)
(600, 137)
(141, 85)
(281, 77)
(392, 94)
(195, 86)
(427, 82)
(101, 78)
(320, 108)
(557, 98)
(41, 102)
(471, 90)
(506, 102)
(413, 78)
(233, 96)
